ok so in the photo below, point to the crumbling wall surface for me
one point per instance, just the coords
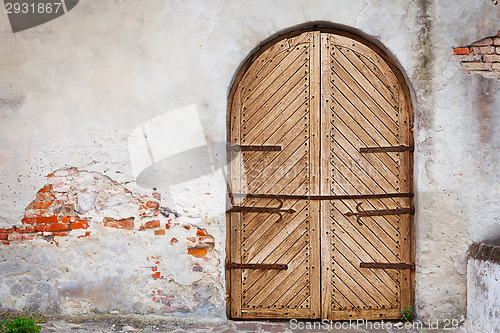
(88, 245)
(483, 289)
(75, 90)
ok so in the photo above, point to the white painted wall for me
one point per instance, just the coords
(483, 296)
(73, 90)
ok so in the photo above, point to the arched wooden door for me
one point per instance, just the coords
(323, 225)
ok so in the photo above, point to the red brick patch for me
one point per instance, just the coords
(79, 225)
(461, 50)
(119, 224)
(151, 225)
(45, 197)
(197, 252)
(152, 204)
(40, 219)
(46, 188)
(42, 204)
(58, 227)
(160, 232)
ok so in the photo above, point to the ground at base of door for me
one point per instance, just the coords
(236, 326)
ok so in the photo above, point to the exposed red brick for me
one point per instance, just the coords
(41, 227)
(58, 227)
(201, 232)
(483, 42)
(4, 233)
(39, 219)
(207, 239)
(156, 213)
(150, 225)
(197, 252)
(61, 234)
(46, 219)
(71, 219)
(42, 204)
(45, 197)
(156, 275)
(46, 188)
(461, 50)
(4, 242)
(173, 241)
(187, 226)
(21, 237)
(483, 50)
(27, 229)
(492, 58)
(79, 225)
(160, 232)
(152, 204)
(119, 224)
(476, 66)
(50, 175)
(469, 57)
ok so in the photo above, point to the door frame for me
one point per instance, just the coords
(407, 92)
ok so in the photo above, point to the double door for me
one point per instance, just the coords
(320, 130)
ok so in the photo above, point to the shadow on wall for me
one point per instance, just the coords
(170, 154)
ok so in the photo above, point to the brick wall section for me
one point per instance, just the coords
(481, 57)
(53, 212)
(45, 218)
(485, 252)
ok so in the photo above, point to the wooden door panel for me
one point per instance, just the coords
(361, 106)
(274, 110)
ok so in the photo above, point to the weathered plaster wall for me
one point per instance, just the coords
(74, 92)
(483, 289)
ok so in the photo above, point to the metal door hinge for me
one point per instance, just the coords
(233, 265)
(392, 149)
(267, 210)
(383, 265)
(253, 148)
(378, 212)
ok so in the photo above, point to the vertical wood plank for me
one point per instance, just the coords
(235, 218)
(314, 180)
(406, 221)
(325, 187)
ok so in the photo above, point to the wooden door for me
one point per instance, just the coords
(321, 225)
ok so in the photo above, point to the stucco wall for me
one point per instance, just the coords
(483, 296)
(76, 91)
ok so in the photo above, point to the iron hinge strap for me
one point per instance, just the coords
(324, 197)
(253, 148)
(391, 149)
(233, 265)
(377, 212)
(383, 265)
(267, 210)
